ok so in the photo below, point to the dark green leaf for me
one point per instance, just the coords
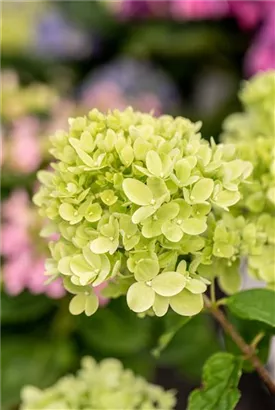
(173, 323)
(24, 307)
(221, 375)
(115, 330)
(254, 304)
(191, 346)
(27, 360)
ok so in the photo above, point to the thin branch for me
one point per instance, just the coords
(246, 349)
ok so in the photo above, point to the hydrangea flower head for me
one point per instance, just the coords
(130, 195)
(248, 233)
(105, 385)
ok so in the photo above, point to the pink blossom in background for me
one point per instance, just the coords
(198, 9)
(23, 266)
(25, 152)
(261, 54)
(249, 13)
(104, 95)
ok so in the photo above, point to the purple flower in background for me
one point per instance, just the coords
(58, 38)
(198, 9)
(127, 82)
(261, 55)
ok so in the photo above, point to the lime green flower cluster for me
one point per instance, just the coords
(230, 239)
(104, 385)
(251, 234)
(130, 196)
(258, 118)
(253, 132)
(18, 100)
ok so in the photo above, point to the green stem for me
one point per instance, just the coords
(247, 350)
(257, 340)
(213, 292)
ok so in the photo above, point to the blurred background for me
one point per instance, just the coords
(60, 59)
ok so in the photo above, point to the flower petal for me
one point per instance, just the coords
(101, 245)
(168, 283)
(140, 297)
(79, 265)
(227, 198)
(137, 192)
(186, 303)
(160, 305)
(64, 265)
(146, 269)
(168, 211)
(196, 286)
(93, 213)
(153, 163)
(91, 304)
(77, 304)
(194, 226)
(172, 231)
(142, 213)
(67, 212)
(202, 190)
(183, 170)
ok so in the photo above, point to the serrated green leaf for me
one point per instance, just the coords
(221, 375)
(254, 304)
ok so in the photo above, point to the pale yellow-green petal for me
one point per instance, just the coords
(91, 304)
(142, 213)
(168, 283)
(153, 163)
(196, 286)
(146, 269)
(202, 190)
(137, 192)
(77, 304)
(186, 303)
(172, 231)
(140, 297)
(161, 305)
(101, 245)
(194, 226)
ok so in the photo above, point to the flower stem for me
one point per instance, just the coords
(246, 349)
(213, 292)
